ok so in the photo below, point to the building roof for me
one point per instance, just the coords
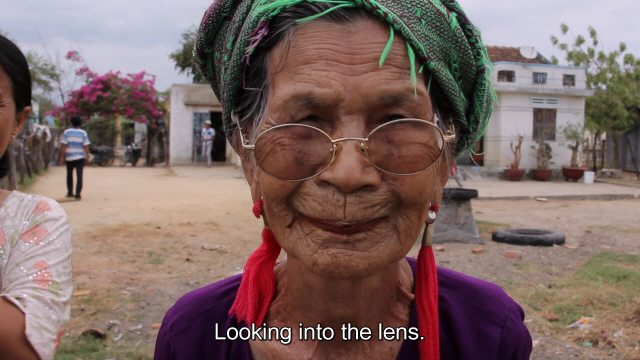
(512, 54)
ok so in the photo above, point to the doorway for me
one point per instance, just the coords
(219, 148)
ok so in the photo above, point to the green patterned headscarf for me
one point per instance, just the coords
(442, 40)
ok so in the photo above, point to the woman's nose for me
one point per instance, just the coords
(351, 170)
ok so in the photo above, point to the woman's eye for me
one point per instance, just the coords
(315, 121)
(309, 118)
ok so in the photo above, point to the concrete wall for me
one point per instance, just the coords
(524, 79)
(628, 150)
(187, 99)
(513, 112)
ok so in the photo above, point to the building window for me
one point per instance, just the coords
(539, 78)
(506, 76)
(544, 124)
(547, 101)
(568, 80)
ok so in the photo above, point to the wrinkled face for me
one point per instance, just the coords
(10, 122)
(351, 219)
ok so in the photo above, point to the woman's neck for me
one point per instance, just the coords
(318, 303)
(303, 296)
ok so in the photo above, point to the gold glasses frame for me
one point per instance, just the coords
(361, 145)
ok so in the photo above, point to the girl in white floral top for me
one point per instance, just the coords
(35, 239)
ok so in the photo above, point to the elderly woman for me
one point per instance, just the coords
(35, 239)
(346, 114)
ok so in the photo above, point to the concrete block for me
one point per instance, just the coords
(455, 222)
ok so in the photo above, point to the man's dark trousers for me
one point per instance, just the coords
(79, 166)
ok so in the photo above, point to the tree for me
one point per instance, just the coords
(111, 94)
(46, 77)
(133, 96)
(183, 57)
(615, 78)
(43, 73)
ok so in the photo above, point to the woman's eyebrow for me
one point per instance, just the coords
(402, 98)
(306, 101)
(398, 99)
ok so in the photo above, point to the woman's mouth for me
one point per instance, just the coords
(344, 227)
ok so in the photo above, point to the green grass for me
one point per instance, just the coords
(155, 261)
(614, 228)
(606, 286)
(28, 181)
(489, 227)
(522, 266)
(509, 284)
(89, 348)
(154, 258)
(608, 268)
(571, 312)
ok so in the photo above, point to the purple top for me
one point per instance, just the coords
(478, 320)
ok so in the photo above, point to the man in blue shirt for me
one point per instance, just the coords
(75, 151)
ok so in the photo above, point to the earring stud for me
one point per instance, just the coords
(432, 214)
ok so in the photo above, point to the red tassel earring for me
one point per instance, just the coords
(258, 284)
(426, 295)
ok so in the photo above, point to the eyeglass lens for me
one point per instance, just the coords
(295, 152)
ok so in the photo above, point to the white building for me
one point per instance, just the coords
(534, 97)
(191, 106)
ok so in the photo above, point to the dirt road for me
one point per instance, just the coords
(145, 236)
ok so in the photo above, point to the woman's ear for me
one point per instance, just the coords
(249, 167)
(442, 178)
(250, 173)
(21, 119)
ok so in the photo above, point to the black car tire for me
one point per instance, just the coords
(533, 237)
(459, 193)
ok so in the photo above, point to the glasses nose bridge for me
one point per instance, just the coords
(361, 145)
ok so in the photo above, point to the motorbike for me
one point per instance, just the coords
(102, 155)
(132, 154)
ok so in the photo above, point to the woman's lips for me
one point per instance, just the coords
(344, 227)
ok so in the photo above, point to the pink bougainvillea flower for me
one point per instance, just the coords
(3, 238)
(41, 206)
(112, 94)
(34, 235)
(41, 265)
(43, 279)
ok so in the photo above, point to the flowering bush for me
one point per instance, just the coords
(111, 94)
(73, 56)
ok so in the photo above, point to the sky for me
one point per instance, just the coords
(137, 35)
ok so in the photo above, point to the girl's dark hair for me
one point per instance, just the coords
(4, 165)
(15, 65)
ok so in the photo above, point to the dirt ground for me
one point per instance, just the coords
(145, 236)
